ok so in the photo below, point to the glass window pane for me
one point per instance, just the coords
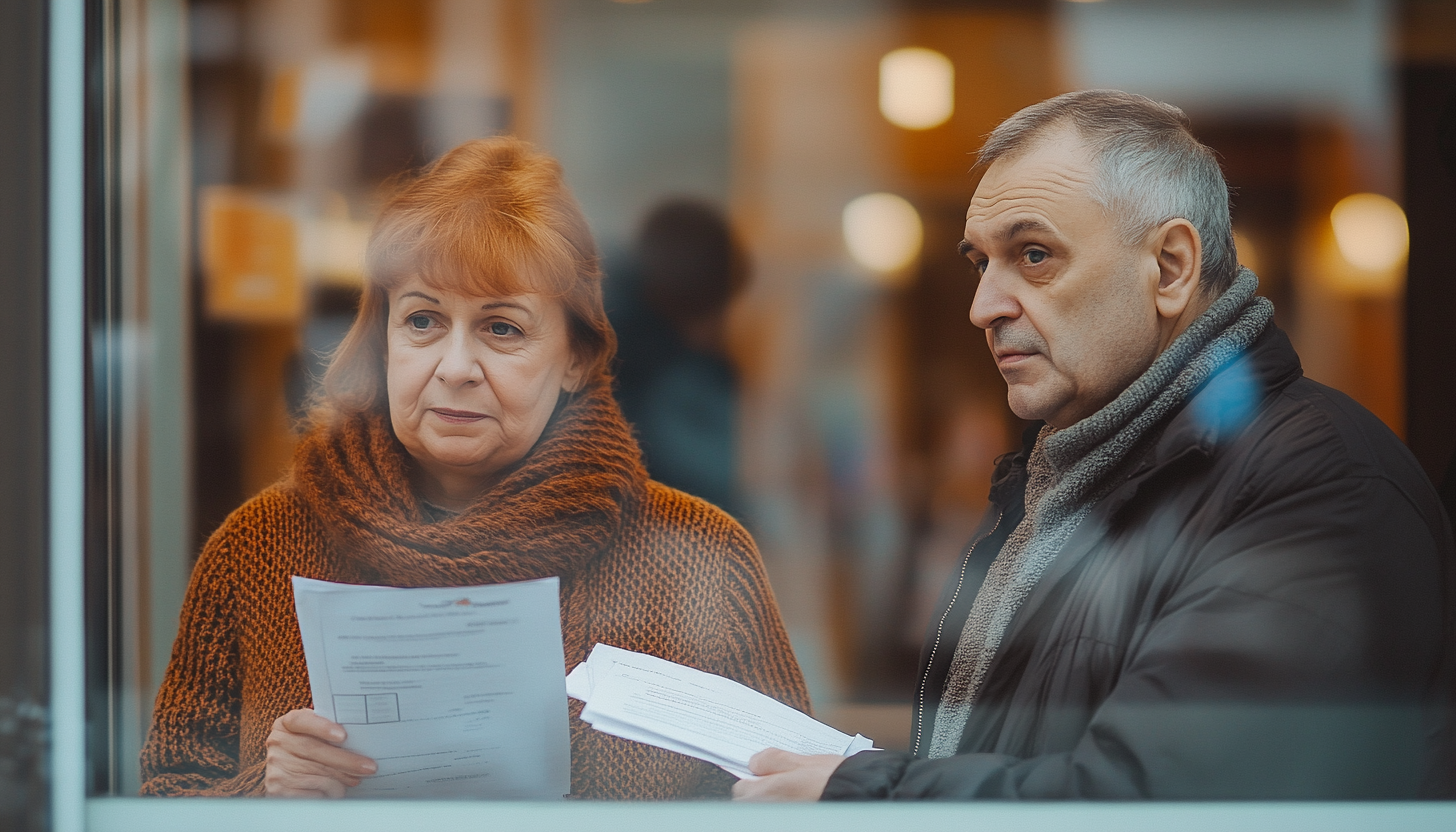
(776, 192)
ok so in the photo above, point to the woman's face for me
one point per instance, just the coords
(472, 381)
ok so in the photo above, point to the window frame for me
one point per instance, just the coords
(74, 108)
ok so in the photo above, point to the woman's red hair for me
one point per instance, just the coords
(491, 218)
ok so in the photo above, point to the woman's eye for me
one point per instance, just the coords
(1035, 256)
(418, 321)
(502, 328)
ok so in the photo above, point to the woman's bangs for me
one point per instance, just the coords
(494, 263)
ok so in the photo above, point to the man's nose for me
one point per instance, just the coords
(459, 365)
(993, 302)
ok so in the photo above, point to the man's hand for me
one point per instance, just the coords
(304, 759)
(784, 775)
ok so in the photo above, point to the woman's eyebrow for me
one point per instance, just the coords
(505, 304)
(419, 295)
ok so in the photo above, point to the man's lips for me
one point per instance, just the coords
(1008, 358)
(457, 417)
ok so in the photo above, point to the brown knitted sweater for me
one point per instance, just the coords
(642, 567)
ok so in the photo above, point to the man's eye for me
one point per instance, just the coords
(419, 321)
(502, 328)
(980, 265)
(1035, 256)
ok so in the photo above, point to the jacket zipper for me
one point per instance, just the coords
(940, 631)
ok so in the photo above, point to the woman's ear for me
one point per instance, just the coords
(575, 377)
(1180, 266)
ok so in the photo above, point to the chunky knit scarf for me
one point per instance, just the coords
(552, 513)
(1070, 470)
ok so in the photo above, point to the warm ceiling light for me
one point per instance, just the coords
(1371, 231)
(882, 232)
(917, 88)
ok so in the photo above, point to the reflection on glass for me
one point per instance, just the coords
(850, 424)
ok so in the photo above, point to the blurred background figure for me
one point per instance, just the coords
(669, 303)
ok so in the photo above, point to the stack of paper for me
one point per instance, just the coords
(661, 703)
(455, 692)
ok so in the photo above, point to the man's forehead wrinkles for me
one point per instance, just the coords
(1022, 202)
(1034, 189)
(1009, 211)
(1004, 229)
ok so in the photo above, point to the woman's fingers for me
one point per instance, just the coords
(311, 723)
(303, 760)
(302, 767)
(285, 775)
(280, 745)
(284, 780)
(306, 735)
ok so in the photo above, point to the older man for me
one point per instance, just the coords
(1205, 576)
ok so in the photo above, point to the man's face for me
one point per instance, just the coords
(1069, 309)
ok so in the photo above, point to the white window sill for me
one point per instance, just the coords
(193, 815)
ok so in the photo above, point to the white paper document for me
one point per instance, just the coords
(661, 703)
(454, 692)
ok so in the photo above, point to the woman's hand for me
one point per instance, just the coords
(304, 759)
(783, 775)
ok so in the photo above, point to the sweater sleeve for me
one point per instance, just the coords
(1291, 664)
(756, 647)
(193, 745)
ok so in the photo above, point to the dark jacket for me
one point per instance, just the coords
(1262, 610)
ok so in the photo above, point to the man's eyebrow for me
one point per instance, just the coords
(1019, 227)
(1009, 233)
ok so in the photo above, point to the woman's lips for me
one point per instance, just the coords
(457, 417)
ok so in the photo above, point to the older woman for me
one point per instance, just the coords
(467, 434)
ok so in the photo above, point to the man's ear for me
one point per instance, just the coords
(1180, 266)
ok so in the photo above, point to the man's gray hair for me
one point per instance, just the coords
(1149, 168)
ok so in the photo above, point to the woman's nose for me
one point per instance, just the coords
(993, 302)
(459, 366)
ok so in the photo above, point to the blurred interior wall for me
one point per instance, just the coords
(1324, 71)
(859, 385)
(819, 371)
(636, 103)
(1319, 59)
(1428, 80)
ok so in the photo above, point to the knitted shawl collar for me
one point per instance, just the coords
(556, 510)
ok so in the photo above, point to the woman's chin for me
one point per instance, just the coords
(463, 459)
(460, 462)
(457, 450)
